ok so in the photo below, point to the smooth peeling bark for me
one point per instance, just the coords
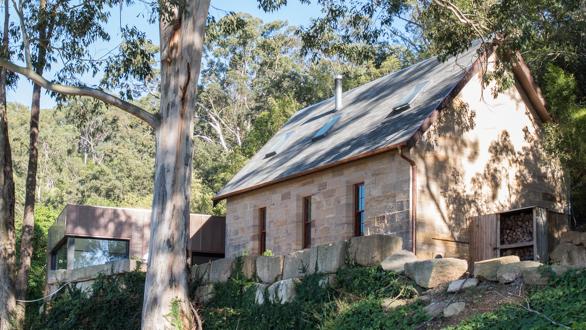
(7, 294)
(28, 223)
(166, 281)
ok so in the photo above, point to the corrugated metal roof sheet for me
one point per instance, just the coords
(367, 122)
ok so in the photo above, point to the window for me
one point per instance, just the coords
(306, 222)
(405, 103)
(262, 219)
(59, 257)
(278, 145)
(323, 131)
(359, 197)
(91, 252)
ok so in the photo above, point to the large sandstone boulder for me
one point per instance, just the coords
(508, 273)
(328, 258)
(269, 269)
(486, 269)
(204, 293)
(283, 291)
(463, 284)
(454, 309)
(535, 276)
(574, 237)
(396, 262)
(248, 266)
(296, 264)
(201, 273)
(373, 249)
(431, 273)
(220, 270)
(569, 254)
(260, 292)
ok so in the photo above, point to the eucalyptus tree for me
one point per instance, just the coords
(7, 200)
(182, 26)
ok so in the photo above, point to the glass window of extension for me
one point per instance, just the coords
(92, 252)
(306, 222)
(59, 257)
(359, 203)
(262, 218)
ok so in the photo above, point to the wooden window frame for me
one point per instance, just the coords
(357, 211)
(262, 230)
(306, 222)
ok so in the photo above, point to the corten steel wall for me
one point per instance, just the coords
(206, 232)
(482, 155)
(386, 179)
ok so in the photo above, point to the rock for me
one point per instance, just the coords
(389, 304)
(269, 269)
(248, 266)
(296, 264)
(220, 270)
(424, 299)
(508, 273)
(486, 269)
(431, 273)
(454, 309)
(260, 293)
(328, 281)
(204, 293)
(560, 269)
(201, 273)
(328, 258)
(462, 284)
(568, 254)
(373, 249)
(574, 237)
(396, 262)
(535, 276)
(434, 309)
(283, 291)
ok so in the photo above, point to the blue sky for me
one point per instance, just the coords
(295, 13)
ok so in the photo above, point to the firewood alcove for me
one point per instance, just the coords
(530, 233)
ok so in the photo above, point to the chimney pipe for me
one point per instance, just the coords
(338, 92)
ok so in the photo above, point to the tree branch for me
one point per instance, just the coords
(27, 49)
(97, 94)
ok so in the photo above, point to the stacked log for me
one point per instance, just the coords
(524, 253)
(516, 228)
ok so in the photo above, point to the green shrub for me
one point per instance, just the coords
(114, 302)
(374, 282)
(356, 304)
(563, 300)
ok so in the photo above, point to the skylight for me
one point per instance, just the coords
(323, 131)
(405, 103)
(278, 145)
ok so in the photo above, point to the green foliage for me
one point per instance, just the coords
(350, 306)
(562, 300)
(114, 302)
(374, 281)
(566, 138)
(174, 315)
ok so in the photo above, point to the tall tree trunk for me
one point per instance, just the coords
(28, 223)
(7, 299)
(182, 33)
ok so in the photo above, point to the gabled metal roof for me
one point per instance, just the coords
(367, 123)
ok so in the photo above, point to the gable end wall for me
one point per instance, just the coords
(482, 155)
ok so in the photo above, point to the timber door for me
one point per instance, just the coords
(483, 237)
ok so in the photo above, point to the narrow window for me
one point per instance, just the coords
(306, 222)
(262, 217)
(359, 209)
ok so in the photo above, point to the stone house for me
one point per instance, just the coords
(416, 153)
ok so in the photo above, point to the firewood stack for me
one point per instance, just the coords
(524, 253)
(517, 228)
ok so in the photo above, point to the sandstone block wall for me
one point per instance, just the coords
(482, 155)
(387, 183)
